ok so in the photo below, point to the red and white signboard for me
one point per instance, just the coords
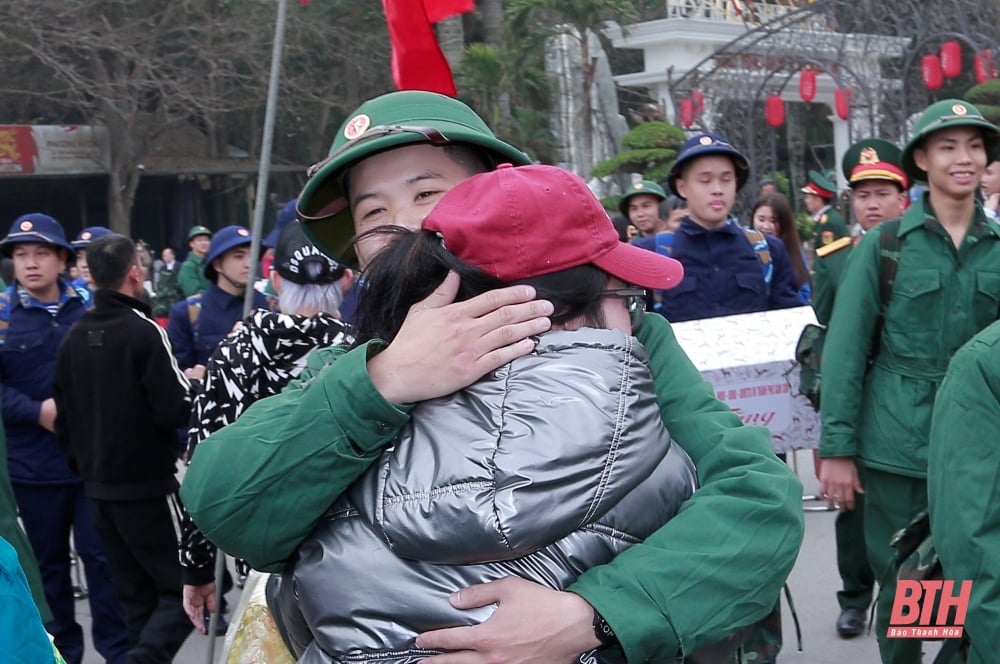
(750, 361)
(52, 150)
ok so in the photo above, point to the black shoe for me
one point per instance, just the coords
(851, 623)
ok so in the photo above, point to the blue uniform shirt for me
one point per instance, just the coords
(30, 334)
(723, 275)
(197, 324)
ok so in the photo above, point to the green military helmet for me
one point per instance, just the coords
(873, 159)
(820, 184)
(198, 230)
(393, 120)
(946, 114)
(647, 187)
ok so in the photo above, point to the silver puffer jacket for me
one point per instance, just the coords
(548, 466)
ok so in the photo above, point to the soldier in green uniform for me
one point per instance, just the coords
(819, 192)
(881, 372)
(191, 277)
(641, 206)
(872, 170)
(962, 465)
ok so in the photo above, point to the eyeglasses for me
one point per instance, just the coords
(635, 303)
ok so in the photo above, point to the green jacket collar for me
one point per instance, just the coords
(921, 212)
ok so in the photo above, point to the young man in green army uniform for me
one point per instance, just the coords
(641, 206)
(191, 277)
(820, 191)
(881, 371)
(962, 465)
(873, 171)
(709, 571)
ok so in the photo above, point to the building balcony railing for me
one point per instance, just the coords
(740, 11)
(730, 10)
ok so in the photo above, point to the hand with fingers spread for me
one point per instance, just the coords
(839, 481)
(531, 624)
(445, 345)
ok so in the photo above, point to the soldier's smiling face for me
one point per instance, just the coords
(954, 160)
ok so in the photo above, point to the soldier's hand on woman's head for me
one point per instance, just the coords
(444, 346)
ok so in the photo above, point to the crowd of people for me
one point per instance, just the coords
(504, 454)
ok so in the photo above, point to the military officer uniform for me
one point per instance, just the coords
(870, 159)
(829, 223)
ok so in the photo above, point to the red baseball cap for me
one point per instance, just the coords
(526, 221)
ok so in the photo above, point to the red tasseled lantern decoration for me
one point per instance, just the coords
(807, 84)
(930, 68)
(698, 97)
(687, 113)
(842, 102)
(774, 111)
(951, 59)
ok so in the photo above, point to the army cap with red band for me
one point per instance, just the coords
(393, 120)
(873, 159)
(526, 221)
(820, 185)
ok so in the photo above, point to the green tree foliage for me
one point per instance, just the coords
(649, 149)
(986, 97)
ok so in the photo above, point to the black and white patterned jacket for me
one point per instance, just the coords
(266, 353)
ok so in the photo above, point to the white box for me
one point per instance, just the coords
(750, 361)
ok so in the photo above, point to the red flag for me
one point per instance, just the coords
(417, 60)
(439, 10)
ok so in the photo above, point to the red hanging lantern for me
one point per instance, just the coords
(951, 59)
(698, 97)
(807, 84)
(980, 68)
(930, 68)
(842, 102)
(989, 69)
(687, 113)
(774, 111)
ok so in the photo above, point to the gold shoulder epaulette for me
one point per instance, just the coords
(836, 245)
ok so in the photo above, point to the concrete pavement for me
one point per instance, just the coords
(814, 583)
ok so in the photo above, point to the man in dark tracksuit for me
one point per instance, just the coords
(117, 428)
(35, 314)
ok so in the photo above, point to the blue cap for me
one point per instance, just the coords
(36, 227)
(88, 235)
(285, 217)
(228, 238)
(704, 144)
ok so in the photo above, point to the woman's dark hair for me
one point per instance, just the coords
(788, 233)
(415, 263)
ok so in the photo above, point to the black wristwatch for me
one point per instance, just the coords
(603, 631)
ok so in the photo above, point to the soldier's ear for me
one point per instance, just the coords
(920, 158)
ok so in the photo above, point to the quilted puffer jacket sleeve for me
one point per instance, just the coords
(526, 456)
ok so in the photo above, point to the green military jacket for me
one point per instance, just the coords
(829, 227)
(191, 277)
(828, 268)
(719, 564)
(941, 297)
(963, 463)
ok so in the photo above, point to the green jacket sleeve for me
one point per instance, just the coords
(963, 492)
(721, 562)
(286, 460)
(826, 279)
(188, 279)
(847, 347)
